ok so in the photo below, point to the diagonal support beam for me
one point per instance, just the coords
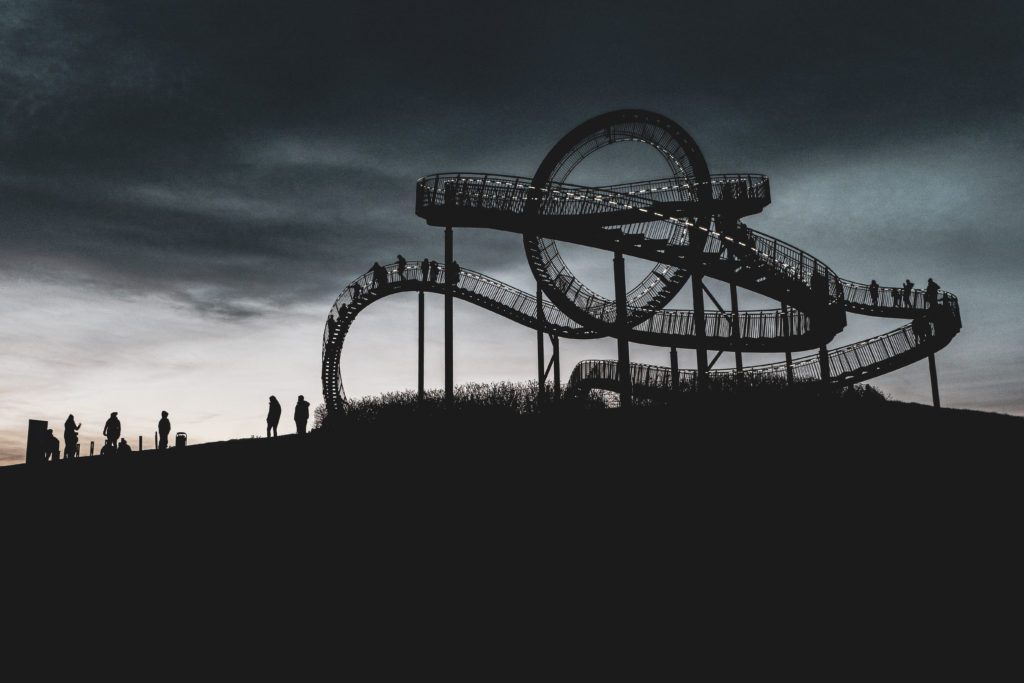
(714, 360)
(713, 299)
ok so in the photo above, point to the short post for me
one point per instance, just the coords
(935, 380)
(622, 331)
(449, 373)
(140, 442)
(92, 448)
(420, 392)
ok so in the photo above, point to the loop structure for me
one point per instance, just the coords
(689, 226)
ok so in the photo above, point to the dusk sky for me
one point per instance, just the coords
(186, 187)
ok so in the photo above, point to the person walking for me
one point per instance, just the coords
(164, 427)
(434, 271)
(931, 294)
(897, 297)
(456, 273)
(112, 429)
(425, 268)
(908, 293)
(873, 290)
(301, 415)
(401, 266)
(273, 416)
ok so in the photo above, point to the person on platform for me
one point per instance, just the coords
(301, 415)
(112, 429)
(71, 437)
(897, 297)
(908, 293)
(425, 267)
(273, 416)
(456, 273)
(401, 266)
(434, 271)
(52, 446)
(123, 448)
(164, 427)
(873, 291)
(931, 294)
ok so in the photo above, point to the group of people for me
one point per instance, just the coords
(274, 416)
(113, 443)
(430, 272)
(903, 297)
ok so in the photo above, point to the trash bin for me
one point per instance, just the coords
(179, 439)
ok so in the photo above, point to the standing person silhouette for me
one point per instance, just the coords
(71, 437)
(425, 267)
(908, 293)
(52, 446)
(301, 415)
(456, 274)
(873, 290)
(433, 271)
(401, 266)
(931, 294)
(164, 427)
(112, 429)
(357, 289)
(273, 416)
(897, 297)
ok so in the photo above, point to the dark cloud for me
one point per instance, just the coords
(242, 156)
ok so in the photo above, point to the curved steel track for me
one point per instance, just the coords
(686, 223)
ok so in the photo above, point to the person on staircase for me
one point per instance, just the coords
(456, 273)
(425, 268)
(908, 293)
(931, 294)
(873, 291)
(401, 266)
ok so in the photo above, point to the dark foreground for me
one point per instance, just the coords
(842, 532)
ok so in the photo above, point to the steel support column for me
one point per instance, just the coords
(697, 282)
(420, 391)
(625, 382)
(736, 327)
(789, 354)
(449, 372)
(557, 367)
(826, 371)
(673, 359)
(935, 380)
(540, 345)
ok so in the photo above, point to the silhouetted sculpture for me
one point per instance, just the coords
(52, 446)
(273, 416)
(112, 429)
(301, 415)
(123, 448)
(401, 266)
(690, 227)
(164, 427)
(71, 437)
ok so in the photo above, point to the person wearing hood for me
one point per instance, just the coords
(273, 416)
(301, 415)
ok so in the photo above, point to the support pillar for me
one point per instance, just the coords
(736, 327)
(826, 371)
(789, 354)
(697, 282)
(540, 345)
(935, 380)
(673, 358)
(449, 373)
(420, 392)
(625, 381)
(556, 368)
